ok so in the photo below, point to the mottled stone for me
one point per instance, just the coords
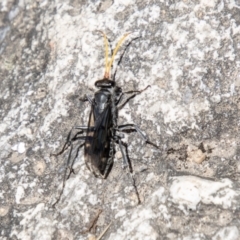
(51, 55)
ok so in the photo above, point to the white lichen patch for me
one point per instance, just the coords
(227, 233)
(19, 147)
(137, 225)
(188, 191)
(44, 228)
(20, 193)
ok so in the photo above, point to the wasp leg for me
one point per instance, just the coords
(84, 128)
(71, 139)
(66, 176)
(93, 224)
(133, 127)
(69, 142)
(121, 57)
(137, 91)
(86, 98)
(128, 162)
(134, 93)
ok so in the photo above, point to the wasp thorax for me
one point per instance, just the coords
(101, 99)
(104, 83)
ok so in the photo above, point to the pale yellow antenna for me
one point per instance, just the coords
(106, 74)
(108, 64)
(115, 52)
(106, 52)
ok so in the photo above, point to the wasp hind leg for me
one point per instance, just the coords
(69, 143)
(127, 162)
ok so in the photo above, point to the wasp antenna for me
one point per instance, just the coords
(106, 74)
(115, 52)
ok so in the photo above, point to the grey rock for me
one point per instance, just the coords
(52, 54)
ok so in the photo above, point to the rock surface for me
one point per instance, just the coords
(52, 54)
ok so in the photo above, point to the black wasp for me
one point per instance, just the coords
(103, 131)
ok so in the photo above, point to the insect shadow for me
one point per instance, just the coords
(103, 132)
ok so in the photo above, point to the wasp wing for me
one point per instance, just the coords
(97, 144)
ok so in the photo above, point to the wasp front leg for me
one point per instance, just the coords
(133, 92)
(87, 98)
(135, 128)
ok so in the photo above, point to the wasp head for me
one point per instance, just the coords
(105, 83)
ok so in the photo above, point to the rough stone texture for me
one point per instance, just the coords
(51, 55)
